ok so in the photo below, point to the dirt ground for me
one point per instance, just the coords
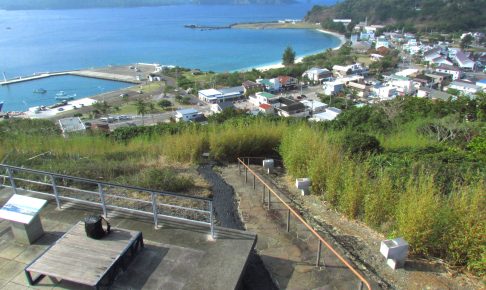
(362, 245)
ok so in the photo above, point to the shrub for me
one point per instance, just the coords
(163, 179)
(360, 144)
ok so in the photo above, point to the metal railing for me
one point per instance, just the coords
(158, 204)
(292, 212)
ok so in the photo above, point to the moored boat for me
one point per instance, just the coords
(39, 91)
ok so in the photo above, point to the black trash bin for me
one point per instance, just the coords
(94, 227)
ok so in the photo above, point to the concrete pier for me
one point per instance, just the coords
(118, 73)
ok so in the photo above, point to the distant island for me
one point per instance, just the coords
(63, 4)
(437, 15)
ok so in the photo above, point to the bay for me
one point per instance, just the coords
(57, 40)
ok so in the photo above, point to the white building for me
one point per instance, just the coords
(431, 54)
(328, 115)
(316, 74)
(384, 93)
(332, 88)
(271, 85)
(352, 69)
(263, 98)
(381, 42)
(213, 96)
(463, 61)
(314, 106)
(186, 115)
(464, 87)
(451, 70)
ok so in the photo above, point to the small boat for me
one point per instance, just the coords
(61, 94)
(39, 91)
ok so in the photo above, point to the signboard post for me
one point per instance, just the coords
(23, 213)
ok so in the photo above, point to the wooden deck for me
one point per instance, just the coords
(80, 259)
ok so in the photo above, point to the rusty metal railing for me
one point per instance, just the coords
(293, 212)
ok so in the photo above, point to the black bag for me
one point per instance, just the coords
(94, 228)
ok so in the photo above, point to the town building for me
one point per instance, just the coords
(220, 107)
(186, 115)
(213, 96)
(455, 72)
(463, 61)
(316, 74)
(270, 85)
(466, 88)
(314, 106)
(263, 98)
(328, 115)
(290, 108)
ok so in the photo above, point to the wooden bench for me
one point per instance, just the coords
(77, 258)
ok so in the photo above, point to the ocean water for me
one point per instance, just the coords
(57, 40)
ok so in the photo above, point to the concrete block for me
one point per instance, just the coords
(268, 165)
(303, 184)
(395, 251)
(395, 264)
(28, 233)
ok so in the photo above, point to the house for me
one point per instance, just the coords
(466, 88)
(250, 87)
(403, 85)
(422, 80)
(287, 82)
(440, 60)
(314, 106)
(219, 107)
(409, 72)
(433, 94)
(263, 98)
(290, 108)
(154, 78)
(382, 42)
(213, 96)
(431, 54)
(332, 88)
(352, 69)
(439, 79)
(328, 115)
(270, 85)
(455, 72)
(463, 61)
(266, 109)
(384, 93)
(316, 74)
(186, 115)
(71, 125)
(360, 90)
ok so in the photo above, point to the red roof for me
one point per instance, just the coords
(265, 106)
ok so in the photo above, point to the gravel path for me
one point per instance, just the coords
(226, 212)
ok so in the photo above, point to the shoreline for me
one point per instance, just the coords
(265, 67)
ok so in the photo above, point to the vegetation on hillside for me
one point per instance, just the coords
(448, 16)
(410, 167)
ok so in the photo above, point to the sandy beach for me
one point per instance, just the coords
(300, 58)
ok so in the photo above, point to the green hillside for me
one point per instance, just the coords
(442, 15)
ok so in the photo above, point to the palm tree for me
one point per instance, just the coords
(141, 109)
(151, 109)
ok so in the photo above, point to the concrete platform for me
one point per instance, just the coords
(176, 256)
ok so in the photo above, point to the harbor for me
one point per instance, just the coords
(42, 90)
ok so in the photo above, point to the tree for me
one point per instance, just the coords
(142, 109)
(164, 104)
(152, 110)
(101, 108)
(466, 41)
(288, 57)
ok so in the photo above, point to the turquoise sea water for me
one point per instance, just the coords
(56, 40)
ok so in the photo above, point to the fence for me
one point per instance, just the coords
(131, 199)
(268, 192)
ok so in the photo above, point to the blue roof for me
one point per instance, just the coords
(482, 81)
(187, 111)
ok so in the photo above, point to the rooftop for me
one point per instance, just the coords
(187, 111)
(210, 92)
